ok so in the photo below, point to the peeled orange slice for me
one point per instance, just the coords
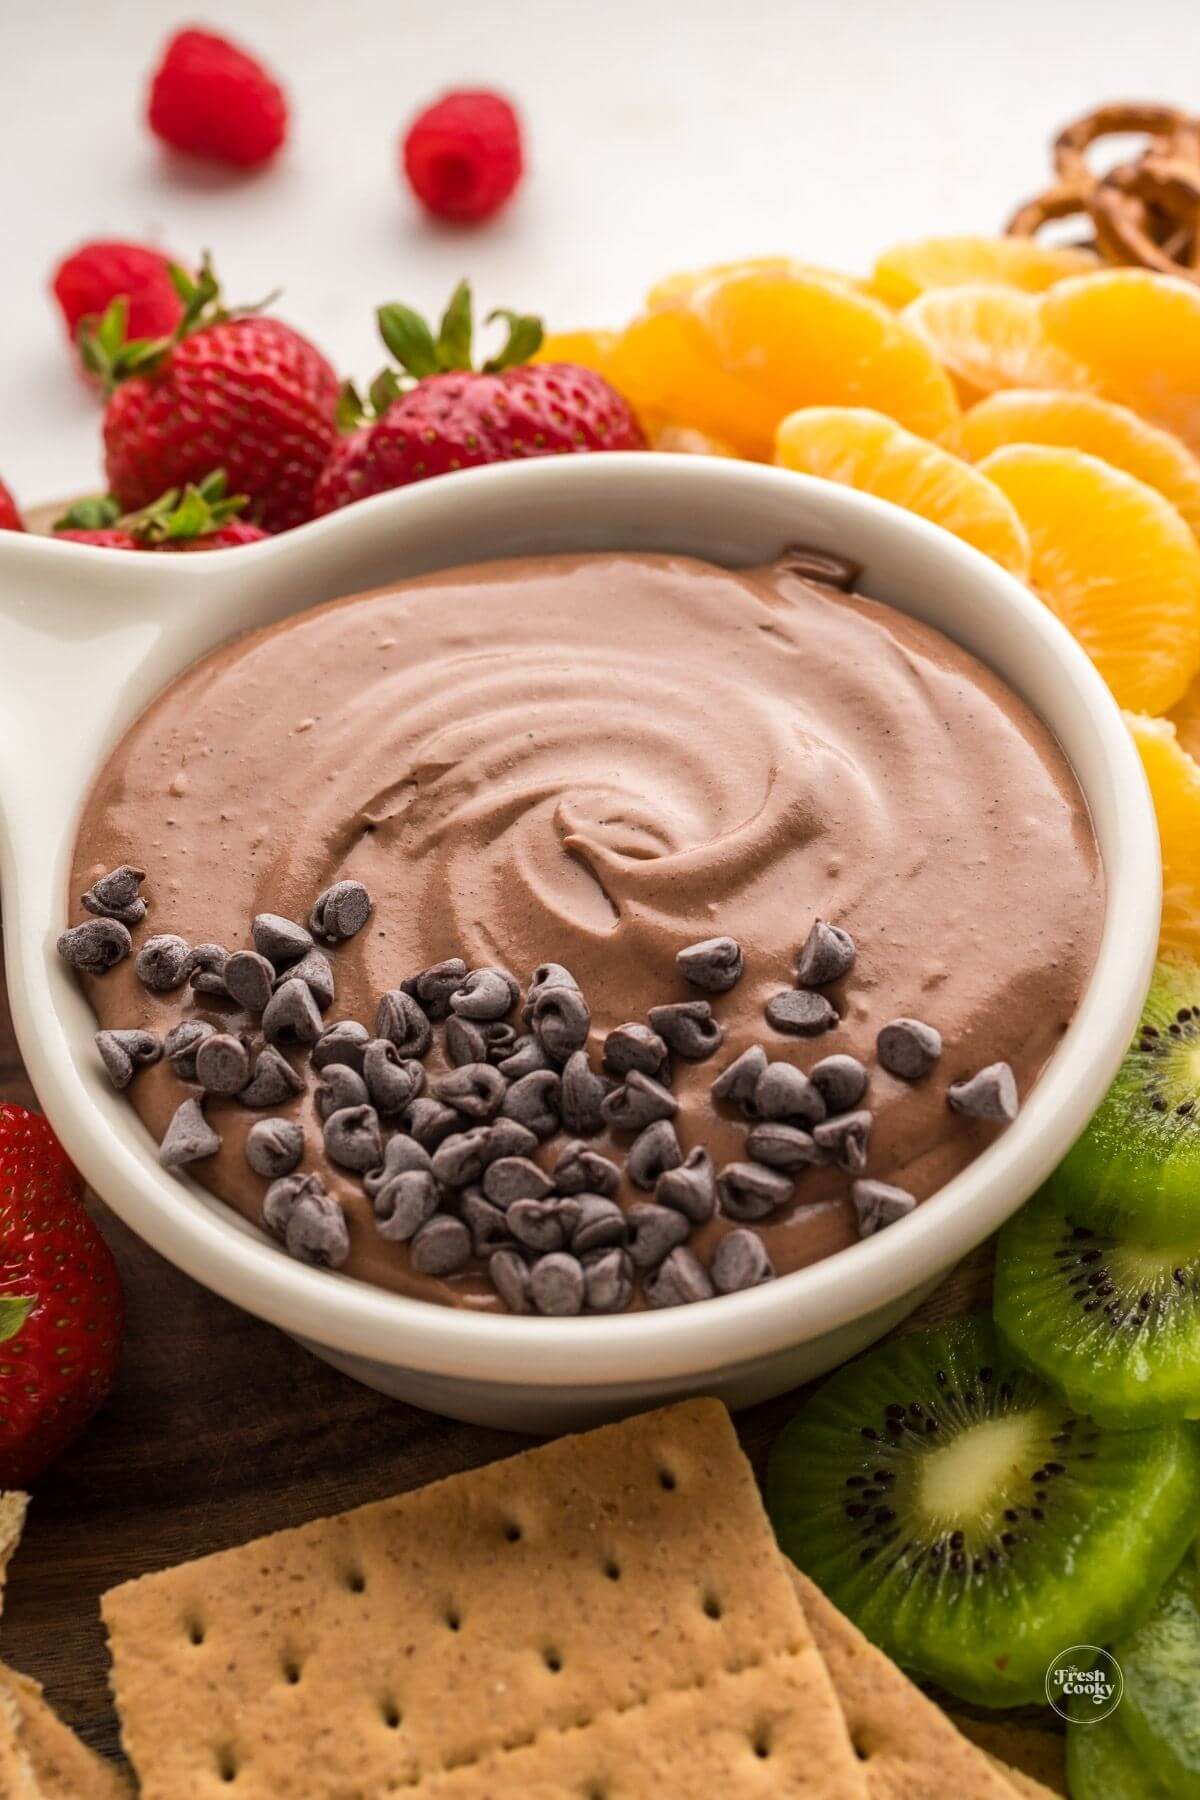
(1186, 719)
(677, 290)
(1174, 779)
(907, 270)
(1137, 336)
(990, 337)
(865, 450)
(591, 349)
(1085, 422)
(1117, 564)
(684, 440)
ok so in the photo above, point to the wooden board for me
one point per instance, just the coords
(221, 1428)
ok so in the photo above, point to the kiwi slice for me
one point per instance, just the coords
(1102, 1764)
(1112, 1321)
(1160, 1711)
(970, 1522)
(1140, 1156)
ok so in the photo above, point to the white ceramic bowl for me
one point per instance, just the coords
(87, 638)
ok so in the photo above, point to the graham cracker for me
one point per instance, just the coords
(1029, 1753)
(40, 1758)
(909, 1748)
(12, 1522)
(384, 1648)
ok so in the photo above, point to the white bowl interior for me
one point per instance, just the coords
(86, 640)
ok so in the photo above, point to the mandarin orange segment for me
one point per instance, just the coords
(1085, 422)
(685, 440)
(677, 290)
(666, 366)
(907, 270)
(990, 337)
(1117, 564)
(865, 450)
(1137, 335)
(591, 349)
(1186, 719)
(1174, 779)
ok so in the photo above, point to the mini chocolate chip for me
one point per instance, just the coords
(465, 1042)
(499, 1038)
(678, 1281)
(560, 1020)
(249, 979)
(638, 1102)
(124, 1052)
(546, 975)
(115, 895)
(401, 1156)
(316, 1231)
(403, 1203)
(635, 1046)
(785, 1093)
(97, 945)
(344, 1042)
(845, 1139)
(715, 965)
(352, 1138)
(595, 1223)
(556, 1286)
(340, 911)
(476, 1090)
(392, 1081)
(820, 566)
(691, 1188)
(274, 1080)
(162, 962)
(780, 1146)
(188, 1138)
(506, 1138)
(515, 1178)
(433, 987)
(316, 971)
(130, 915)
(826, 955)
(429, 1121)
(486, 1223)
(652, 1152)
(292, 1015)
(991, 1094)
(749, 1192)
(485, 995)
(274, 1147)
(841, 1082)
(608, 1280)
(459, 1160)
(400, 1018)
(878, 1203)
(737, 1082)
(741, 1260)
(654, 1232)
(222, 1063)
(181, 1043)
(688, 1028)
(527, 1056)
(206, 969)
(538, 1224)
(340, 1086)
(581, 1096)
(280, 940)
(801, 1013)
(580, 1170)
(908, 1048)
(509, 1275)
(441, 1247)
(533, 1102)
(279, 1201)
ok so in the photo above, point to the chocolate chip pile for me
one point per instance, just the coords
(448, 1162)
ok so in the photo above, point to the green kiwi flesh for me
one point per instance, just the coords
(1160, 1711)
(1109, 1319)
(1140, 1156)
(1102, 1764)
(968, 1521)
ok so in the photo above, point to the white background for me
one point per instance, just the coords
(662, 134)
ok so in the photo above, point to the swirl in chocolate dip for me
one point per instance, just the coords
(599, 760)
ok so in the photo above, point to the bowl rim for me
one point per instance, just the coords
(220, 1249)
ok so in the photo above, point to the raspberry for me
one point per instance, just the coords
(10, 517)
(90, 278)
(211, 99)
(463, 156)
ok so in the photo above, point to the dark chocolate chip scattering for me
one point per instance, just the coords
(841, 1082)
(512, 1178)
(749, 1192)
(595, 1223)
(316, 971)
(461, 1157)
(249, 979)
(678, 1281)
(546, 975)
(878, 1203)
(638, 1102)
(441, 1247)
(222, 1063)
(715, 965)
(188, 1138)
(476, 1090)
(401, 1156)
(345, 1042)
(635, 1046)
(352, 1138)
(691, 1187)
(206, 969)
(826, 955)
(274, 1080)
(392, 1081)
(433, 987)
(654, 1232)
(292, 1015)
(506, 1138)
(581, 1096)
(400, 1018)
(115, 895)
(652, 1152)
(274, 1147)
(429, 1121)
(560, 1020)
(486, 1223)
(540, 1225)
(845, 1139)
(908, 1048)
(784, 1147)
(801, 1013)
(465, 1042)
(580, 1170)
(785, 1093)
(688, 1028)
(403, 1203)
(280, 940)
(316, 1231)
(736, 1083)
(556, 1285)
(533, 1101)
(340, 1086)
(340, 911)
(991, 1094)
(182, 1042)
(485, 995)
(741, 1260)
(162, 963)
(509, 1275)
(280, 1199)
(526, 1056)
(124, 1052)
(608, 1280)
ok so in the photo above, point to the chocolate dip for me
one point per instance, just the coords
(598, 760)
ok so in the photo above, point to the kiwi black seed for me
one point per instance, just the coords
(968, 1520)
(1140, 1156)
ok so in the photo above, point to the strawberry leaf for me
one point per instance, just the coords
(96, 513)
(524, 340)
(454, 335)
(409, 339)
(14, 1310)
(350, 410)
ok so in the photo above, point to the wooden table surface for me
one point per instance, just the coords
(219, 1429)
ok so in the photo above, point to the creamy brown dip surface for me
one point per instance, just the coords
(598, 760)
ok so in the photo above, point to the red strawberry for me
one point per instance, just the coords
(61, 1306)
(463, 156)
(10, 518)
(239, 389)
(209, 98)
(452, 416)
(87, 282)
(201, 518)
